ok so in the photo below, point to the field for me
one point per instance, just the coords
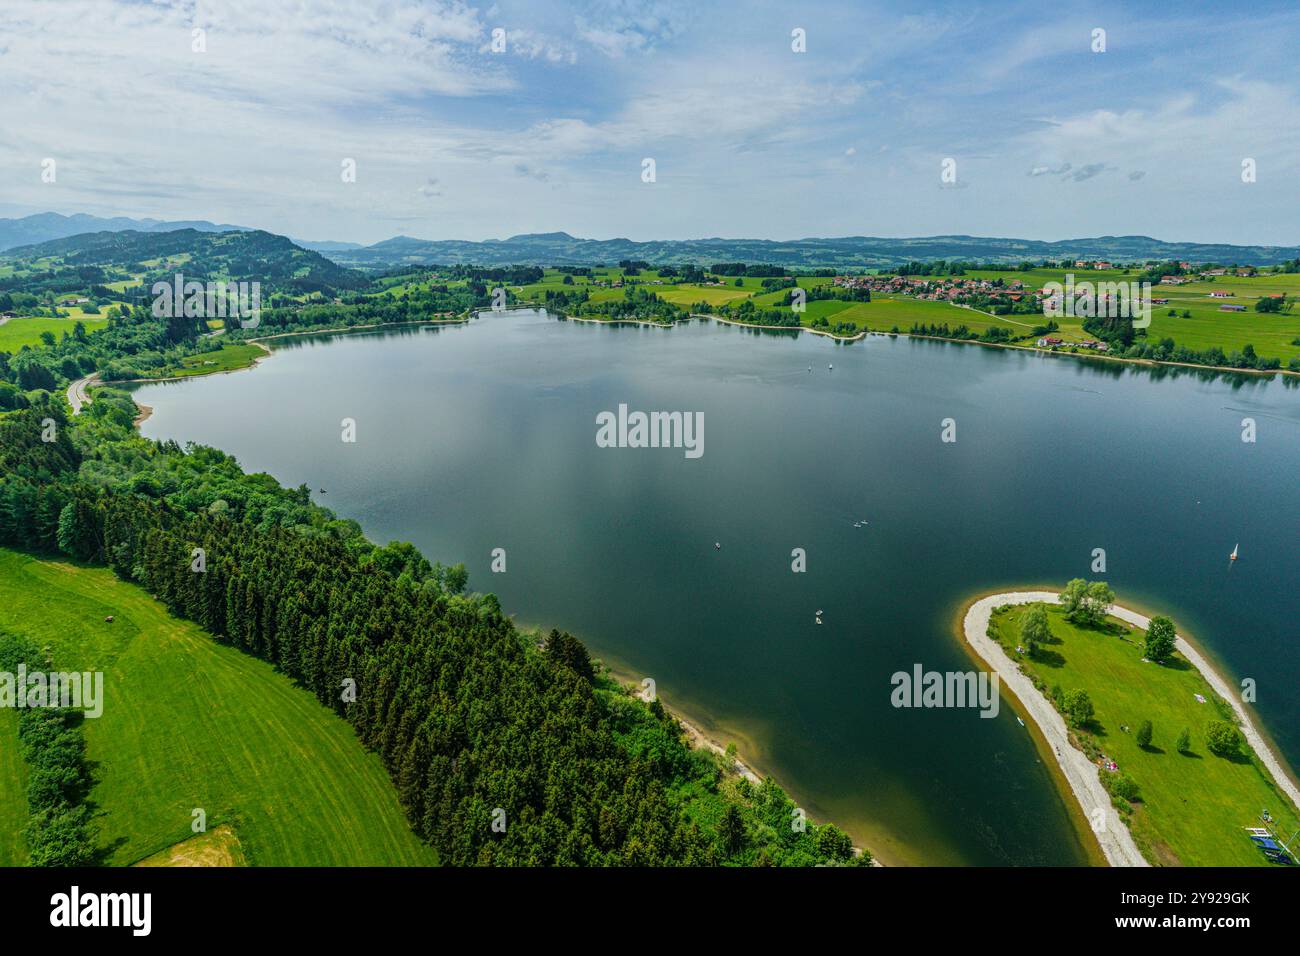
(225, 359)
(23, 330)
(1193, 806)
(189, 723)
(1272, 334)
(217, 847)
(13, 789)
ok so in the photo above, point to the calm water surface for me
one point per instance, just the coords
(483, 436)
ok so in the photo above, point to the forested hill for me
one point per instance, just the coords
(251, 255)
(560, 248)
(45, 226)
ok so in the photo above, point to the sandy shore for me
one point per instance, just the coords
(698, 738)
(1083, 777)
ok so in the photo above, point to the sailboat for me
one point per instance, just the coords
(1233, 556)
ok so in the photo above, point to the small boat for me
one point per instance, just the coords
(717, 545)
(820, 613)
(819, 620)
(1233, 556)
(1020, 722)
(829, 367)
(322, 491)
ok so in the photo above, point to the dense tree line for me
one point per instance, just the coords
(53, 748)
(757, 270)
(994, 333)
(637, 305)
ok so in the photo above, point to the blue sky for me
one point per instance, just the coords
(750, 139)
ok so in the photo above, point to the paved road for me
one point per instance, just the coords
(79, 392)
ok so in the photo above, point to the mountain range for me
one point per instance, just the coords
(234, 255)
(45, 226)
(560, 248)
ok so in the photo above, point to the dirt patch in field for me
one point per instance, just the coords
(219, 848)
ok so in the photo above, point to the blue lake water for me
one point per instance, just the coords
(482, 436)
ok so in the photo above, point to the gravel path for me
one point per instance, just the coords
(1116, 842)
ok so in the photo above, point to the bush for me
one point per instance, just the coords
(1222, 739)
(1122, 786)
(1078, 707)
(1160, 639)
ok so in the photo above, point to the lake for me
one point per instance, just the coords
(483, 436)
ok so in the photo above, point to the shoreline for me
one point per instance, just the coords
(700, 733)
(81, 387)
(1144, 363)
(1115, 840)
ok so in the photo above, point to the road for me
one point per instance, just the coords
(79, 392)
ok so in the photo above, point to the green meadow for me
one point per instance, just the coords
(1193, 806)
(1272, 334)
(25, 330)
(13, 789)
(189, 723)
(225, 359)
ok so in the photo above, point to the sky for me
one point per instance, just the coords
(252, 120)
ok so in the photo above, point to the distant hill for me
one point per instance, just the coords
(560, 248)
(249, 255)
(45, 226)
(327, 245)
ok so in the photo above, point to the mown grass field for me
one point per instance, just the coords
(189, 723)
(26, 330)
(1272, 334)
(13, 793)
(1193, 806)
(226, 359)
